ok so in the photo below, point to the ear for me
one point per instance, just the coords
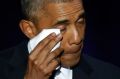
(27, 28)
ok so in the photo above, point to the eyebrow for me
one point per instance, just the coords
(65, 21)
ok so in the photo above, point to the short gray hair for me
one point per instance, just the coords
(31, 7)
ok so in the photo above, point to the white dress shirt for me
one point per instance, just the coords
(64, 74)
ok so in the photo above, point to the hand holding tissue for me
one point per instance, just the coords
(43, 34)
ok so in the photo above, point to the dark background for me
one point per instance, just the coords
(102, 32)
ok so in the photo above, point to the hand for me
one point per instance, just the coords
(42, 62)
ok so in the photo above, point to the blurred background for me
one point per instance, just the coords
(102, 33)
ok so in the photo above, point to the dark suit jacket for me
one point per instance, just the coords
(13, 64)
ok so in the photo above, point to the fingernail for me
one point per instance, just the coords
(53, 34)
(59, 37)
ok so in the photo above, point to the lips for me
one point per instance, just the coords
(73, 50)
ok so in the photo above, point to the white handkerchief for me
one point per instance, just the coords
(45, 32)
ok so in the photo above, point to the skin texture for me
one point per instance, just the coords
(73, 31)
(69, 17)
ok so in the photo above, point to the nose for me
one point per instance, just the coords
(74, 36)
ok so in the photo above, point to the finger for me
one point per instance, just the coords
(52, 66)
(53, 55)
(41, 45)
(43, 55)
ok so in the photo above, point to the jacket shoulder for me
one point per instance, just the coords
(102, 69)
(13, 62)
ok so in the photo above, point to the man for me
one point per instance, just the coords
(68, 16)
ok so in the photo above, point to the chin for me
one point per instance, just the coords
(70, 60)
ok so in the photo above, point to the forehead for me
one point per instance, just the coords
(63, 9)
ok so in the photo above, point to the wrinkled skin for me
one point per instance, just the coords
(69, 17)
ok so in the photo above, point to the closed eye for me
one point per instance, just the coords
(81, 18)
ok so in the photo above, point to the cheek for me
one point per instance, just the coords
(64, 42)
(66, 38)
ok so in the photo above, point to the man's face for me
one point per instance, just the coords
(69, 17)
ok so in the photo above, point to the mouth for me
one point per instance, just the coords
(73, 50)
